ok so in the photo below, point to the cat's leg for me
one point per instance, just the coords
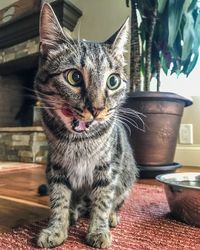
(79, 207)
(113, 218)
(57, 230)
(99, 235)
(118, 201)
(74, 215)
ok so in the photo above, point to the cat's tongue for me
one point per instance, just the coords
(67, 112)
(80, 126)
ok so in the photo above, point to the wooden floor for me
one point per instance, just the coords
(20, 203)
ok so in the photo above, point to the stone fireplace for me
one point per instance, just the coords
(21, 135)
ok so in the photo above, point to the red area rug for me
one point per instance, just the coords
(145, 225)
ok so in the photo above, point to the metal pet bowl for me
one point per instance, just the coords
(183, 195)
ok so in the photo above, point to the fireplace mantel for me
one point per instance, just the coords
(19, 36)
(26, 26)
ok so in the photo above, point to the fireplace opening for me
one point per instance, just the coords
(17, 99)
(21, 134)
(25, 114)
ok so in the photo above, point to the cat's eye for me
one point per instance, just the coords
(113, 81)
(73, 77)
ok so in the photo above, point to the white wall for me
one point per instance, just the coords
(5, 3)
(100, 18)
(190, 154)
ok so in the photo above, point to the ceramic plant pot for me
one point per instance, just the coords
(154, 146)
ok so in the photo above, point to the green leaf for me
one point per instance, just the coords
(197, 26)
(175, 10)
(188, 36)
(186, 65)
(188, 5)
(176, 50)
(164, 64)
(176, 68)
(192, 64)
(161, 6)
(146, 5)
(193, 5)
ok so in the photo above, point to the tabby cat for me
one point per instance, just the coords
(90, 167)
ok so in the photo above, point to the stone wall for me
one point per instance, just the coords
(23, 144)
(23, 49)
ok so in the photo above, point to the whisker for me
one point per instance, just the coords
(133, 123)
(133, 113)
(125, 125)
(129, 120)
(45, 107)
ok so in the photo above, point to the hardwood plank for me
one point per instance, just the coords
(23, 184)
(15, 214)
(17, 166)
(19, 202)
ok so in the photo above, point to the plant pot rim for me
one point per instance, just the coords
(148, 95)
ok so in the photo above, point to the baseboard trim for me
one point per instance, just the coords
(188, 155)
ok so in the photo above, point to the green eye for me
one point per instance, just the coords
(73, 77)
(113, 81)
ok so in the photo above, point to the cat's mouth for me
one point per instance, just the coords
(77, 124)
(80, 126)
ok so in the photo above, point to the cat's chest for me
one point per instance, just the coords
(79, 162)
(81, 173)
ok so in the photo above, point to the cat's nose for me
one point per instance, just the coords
(97, 111)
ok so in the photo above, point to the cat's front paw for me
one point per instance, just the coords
(99, 239)
(51, 237)
(73, 217)
(113, 219)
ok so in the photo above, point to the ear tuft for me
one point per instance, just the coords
(51, 33)
(120, 38)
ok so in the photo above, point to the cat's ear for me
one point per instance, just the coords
(51, 33)
(119, 39)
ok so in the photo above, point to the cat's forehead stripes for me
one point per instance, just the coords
(94, 56)
(86, 76)
(94, 63)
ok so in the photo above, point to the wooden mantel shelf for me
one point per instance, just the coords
(21, 129)
(26, 25)
(19, 42)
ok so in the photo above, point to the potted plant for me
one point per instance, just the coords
(164, 35)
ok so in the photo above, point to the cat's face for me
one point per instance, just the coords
(80, 83)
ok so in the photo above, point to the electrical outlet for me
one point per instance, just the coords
(186, 134)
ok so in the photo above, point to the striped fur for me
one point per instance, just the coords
(90, 171)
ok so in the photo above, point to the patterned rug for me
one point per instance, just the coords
(145, 225)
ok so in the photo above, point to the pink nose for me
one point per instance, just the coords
(97, 111)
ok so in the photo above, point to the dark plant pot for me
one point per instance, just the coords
(155, 146)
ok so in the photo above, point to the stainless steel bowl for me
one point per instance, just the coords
(183, 195)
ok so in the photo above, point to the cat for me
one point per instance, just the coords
(90, 167)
